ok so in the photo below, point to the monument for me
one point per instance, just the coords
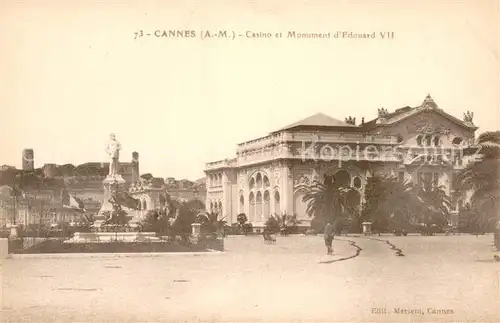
(113, 181)
(112, 221)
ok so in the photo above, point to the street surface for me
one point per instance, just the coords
(446, 278)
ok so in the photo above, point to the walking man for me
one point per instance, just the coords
(329, 234)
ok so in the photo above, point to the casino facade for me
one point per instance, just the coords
(271, 174)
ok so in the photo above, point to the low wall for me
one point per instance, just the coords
(59, 246)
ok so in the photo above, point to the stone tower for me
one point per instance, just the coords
(28, 159)
(135, 167)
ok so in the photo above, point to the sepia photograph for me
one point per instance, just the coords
(250, 161)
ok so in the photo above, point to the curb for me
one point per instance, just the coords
(398, 252)
(352, 244)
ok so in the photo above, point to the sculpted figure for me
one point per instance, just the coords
(113, 148)
(468, 116)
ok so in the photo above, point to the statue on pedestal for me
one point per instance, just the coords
(113, 148)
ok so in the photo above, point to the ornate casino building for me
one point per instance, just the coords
(271, 174)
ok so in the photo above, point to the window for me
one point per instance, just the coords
(436, 141)
(419, 140)
(457, 141)
(357, 182)
(428, 177)
(428, 140)
(401, 176)
(436, 179)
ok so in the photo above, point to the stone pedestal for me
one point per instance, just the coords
(106, 205)
(196, 232)
(367, 228)
(14, 231)
(196, 229)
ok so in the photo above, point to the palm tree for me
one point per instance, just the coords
(388, 202)
(285, 223)
(326, 200)
(434, 205)
(210, 222)
(481, 176)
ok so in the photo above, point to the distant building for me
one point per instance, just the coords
(185, 190)
(49, 170)
(28, 159)
(5, 168)
(170, 181)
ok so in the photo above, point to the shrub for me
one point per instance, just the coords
(247, 228)
(272, 225)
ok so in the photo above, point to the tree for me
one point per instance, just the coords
(327, 200)
(241, 220)
(210, 222)
(272, 225)
(155, 221)
(434, 207)
(147, 177)
(481, 176)
(185, 216)
(389, 203)
(285, 224)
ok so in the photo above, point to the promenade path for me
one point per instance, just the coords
(253, 281)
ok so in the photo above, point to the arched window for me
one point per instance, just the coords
(266, 182)
(258, 205)
(428, 140)
(220, 179)
(258, 181)
(457, 141)
(419, 140)
(252, 184)
(251, 201)
(242, 204)
(220, 208)
(342, 179)
(357, 182)
(211, 182)
(211, 207)
(277, 202)
(267, 199)
(436, 141)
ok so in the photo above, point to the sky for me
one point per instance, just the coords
(72, 73)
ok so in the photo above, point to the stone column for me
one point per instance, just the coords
(262, 207)
(315, 173)
(287, 188)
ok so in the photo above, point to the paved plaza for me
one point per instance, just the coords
(253, 281)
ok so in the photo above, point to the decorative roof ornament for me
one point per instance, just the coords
(382, 112)
(468, 116)
(350, 120)
(429, 103)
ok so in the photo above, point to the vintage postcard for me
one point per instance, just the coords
(250, 161)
